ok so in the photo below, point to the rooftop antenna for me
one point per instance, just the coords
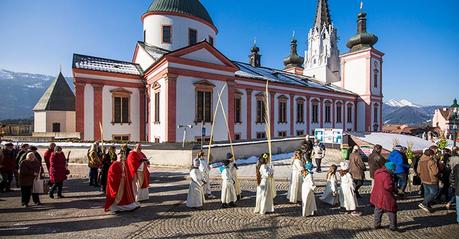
(60, 68)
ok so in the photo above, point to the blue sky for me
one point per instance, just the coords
(420, 37)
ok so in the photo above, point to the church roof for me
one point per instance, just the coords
(322, 14)
(107, 65)
(188, 7)
(154, 51)
(58, 97)
(274, 75)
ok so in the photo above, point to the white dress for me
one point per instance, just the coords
(195, 193)
(347, 197)
(228, 191)
(265, 191)
(141, 194)
(237, 184)
(205, 168)
(330, 189)
(294, 190)
(309, 201)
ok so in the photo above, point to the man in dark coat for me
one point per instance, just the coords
(357, 169)
(382, 196)
(7, 167)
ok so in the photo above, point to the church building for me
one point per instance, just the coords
(177, 74)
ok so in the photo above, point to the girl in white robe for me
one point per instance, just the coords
(294, 189)
(308, 199)
(195, 197)
(330, 194)
(228, 191)
(265, 189)
(233, 169)
(347, 196)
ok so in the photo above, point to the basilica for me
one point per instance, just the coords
(177, 76)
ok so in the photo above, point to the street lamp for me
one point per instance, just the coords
(454, 120)
(184, 127)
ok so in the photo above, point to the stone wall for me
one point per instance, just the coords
(178, 157)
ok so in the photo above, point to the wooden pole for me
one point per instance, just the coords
(268, 121)
(227, 125)
(213, 125)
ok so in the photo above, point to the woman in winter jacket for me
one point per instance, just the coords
(58, 172)
(29, 169)
(382, 196)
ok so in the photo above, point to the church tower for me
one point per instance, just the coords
(361, 73)
(322, 56)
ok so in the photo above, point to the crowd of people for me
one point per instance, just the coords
(124, 178)
(25, 165)
(437, 171)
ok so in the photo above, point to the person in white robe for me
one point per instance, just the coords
(308, 199)
(347, 197)
(265, 189)
(330, 194)
(294, 189)
(228, 195)
(204, 167)
(233, 168)
(195, 198)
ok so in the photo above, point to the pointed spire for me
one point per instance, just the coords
(255, 57)
(58, 96)
(322, 14)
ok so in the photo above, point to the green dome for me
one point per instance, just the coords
(188, 7)
(362, 39)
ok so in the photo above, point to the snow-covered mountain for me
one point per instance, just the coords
(19, 92)
(402, 103)
(406, 112)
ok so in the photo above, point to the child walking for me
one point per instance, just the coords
(330, 194)
(307, 192)
(347, 196)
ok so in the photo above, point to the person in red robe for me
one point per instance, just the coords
(138, 170)
(119, 193)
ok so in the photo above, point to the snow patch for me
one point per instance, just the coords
(402, 103)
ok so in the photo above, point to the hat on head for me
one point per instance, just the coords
(390, 166)
(344, 166)
(9, 145)
(398, 147)
(33, 148)
(229, 156)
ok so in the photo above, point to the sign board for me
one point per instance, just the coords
(329, 136)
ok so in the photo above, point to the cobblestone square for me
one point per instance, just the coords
(81, 215)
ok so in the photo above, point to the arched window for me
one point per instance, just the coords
(375, 75)
(327, 112)
(349, 113)
(315, 111)
(339, 112)
(375, 113)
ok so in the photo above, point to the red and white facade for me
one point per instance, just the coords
(148, 99)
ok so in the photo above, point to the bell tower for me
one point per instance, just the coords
(361, 73)
(322, 56)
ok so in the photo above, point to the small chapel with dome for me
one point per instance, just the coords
(177, 77)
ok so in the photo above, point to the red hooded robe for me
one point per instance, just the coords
(119, 187)
(134, 162)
